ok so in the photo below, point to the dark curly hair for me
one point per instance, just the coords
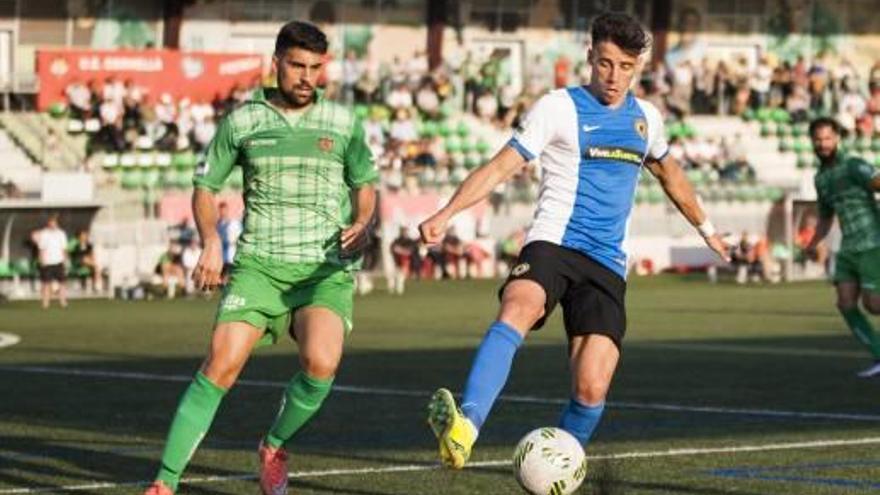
(825, 122)
(622, 30)
(297, 34)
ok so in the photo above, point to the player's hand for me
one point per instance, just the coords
(433, 229)
(354, 238)
(810, 251)
(207, 274)
(717, 243)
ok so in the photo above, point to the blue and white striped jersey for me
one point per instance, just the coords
(591, 156)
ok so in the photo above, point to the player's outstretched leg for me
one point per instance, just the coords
(455, 433)
(302, 399)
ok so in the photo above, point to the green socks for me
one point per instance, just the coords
(863, 329)
(192, 420)
(302, 399)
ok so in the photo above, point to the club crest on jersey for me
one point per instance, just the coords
(325, 144)
(641, 126)
(520, 269)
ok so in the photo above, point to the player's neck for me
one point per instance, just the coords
(612, 105)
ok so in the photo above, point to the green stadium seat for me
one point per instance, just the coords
(6, 270)
(131, 179)
(150, 179)
(452, 144)
(429, 129)
(785, 145)
(482, 146)
(767, 129)
(802, 146)
(443, 129)
(763, 115)
(863, 144)
(23, 267)
(467, 145)
(783, 129)
(748, 115)
(361, 111)
(471, 161)
(774, 194)
(780, 115)
(462, 130)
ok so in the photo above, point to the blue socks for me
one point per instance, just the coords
(489, 371)
(581, 420)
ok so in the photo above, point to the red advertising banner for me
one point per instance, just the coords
(198, 76)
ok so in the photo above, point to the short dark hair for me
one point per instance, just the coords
(825, 122)
(298, 34)
(622, 30)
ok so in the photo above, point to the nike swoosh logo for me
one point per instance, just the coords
(591, 128)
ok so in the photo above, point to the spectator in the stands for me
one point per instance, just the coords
(403, 127)
(79, 98)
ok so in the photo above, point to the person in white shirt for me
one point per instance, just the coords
(51, 242)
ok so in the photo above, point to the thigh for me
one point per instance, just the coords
(593, 360)
(333, 290)
(320, 334)
(254, 297)
(846, 268)
(596, 304)
(869, 271)
(231, 345)
(544, 264)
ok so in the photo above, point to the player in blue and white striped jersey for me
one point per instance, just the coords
(591, 143)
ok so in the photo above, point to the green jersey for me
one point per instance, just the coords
(298, 176)
(844, 189)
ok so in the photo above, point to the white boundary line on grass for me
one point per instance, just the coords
(402, 468)
(521, 399)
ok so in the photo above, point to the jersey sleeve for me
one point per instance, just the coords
(220, 157)
(658, 147)
(537, 130)
(861, 171)
(360, 167)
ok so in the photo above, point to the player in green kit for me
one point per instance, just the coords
(309, 196)
(845, 186)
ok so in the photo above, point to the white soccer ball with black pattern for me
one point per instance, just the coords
(549, 461)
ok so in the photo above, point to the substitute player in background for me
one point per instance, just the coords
(306, 167)
(591, 142)
(845, 186)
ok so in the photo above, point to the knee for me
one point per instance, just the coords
(591, 391)
(222, 371)
(322, 367)
(521, 312)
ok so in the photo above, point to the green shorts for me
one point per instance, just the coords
(264, 293)
(862, 267)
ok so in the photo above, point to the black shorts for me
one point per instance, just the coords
(591, 295)
(52, 273)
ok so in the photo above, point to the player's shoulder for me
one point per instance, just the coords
(555, 98)
(649, 109)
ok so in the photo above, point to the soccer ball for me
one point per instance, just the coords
(549, 461)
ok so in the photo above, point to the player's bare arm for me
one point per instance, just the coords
(355, 236)
(207, 273)
(822, 229)
(875, 184)
(475, 187)
(679, 189)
